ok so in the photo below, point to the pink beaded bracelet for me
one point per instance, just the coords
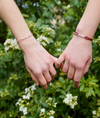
(20, 40)
(77, 34)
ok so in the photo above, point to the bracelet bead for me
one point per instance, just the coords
(20, 40)
(86, 37)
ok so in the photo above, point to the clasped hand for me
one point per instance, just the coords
(77, 58)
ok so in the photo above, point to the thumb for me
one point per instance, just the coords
(59, 61)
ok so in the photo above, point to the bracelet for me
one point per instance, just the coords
(77, 34)
(20, 40)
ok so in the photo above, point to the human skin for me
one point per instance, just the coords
(39, 62)
(78, 53)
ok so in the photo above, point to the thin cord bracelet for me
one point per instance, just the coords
(86, 37)
(20, 40)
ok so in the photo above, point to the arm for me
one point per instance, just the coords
(39, 62)
(78, 53)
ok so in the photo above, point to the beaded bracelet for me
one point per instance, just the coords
(20, 40)
(77, 34)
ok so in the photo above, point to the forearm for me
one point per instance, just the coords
(10, 13)
(90, 19)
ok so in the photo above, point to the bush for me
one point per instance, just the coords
(21, 98)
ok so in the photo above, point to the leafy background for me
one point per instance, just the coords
(55, 20)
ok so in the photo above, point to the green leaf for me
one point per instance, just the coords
(50, 40)
(39, 22)
(26, 117)
(53, 101)
(35, 98)
(62, 96)
(82, 87)
(25, 15)
(68, 87)
(45, 104)
(92, 92)
(88, 94)
(97, 91)
(61, 91)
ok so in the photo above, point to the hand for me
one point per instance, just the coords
(77, 57)
(39, 62)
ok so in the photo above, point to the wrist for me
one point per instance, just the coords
(82, 36)
(28, 43)
(85, 31)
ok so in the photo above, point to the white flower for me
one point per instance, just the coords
(33, 87)
(27, 96)
(49, 29)
(68, 6)
(43, 110)
(23, 116)
(72, 106)
(69, 96)
(21, 108)
(44, 44)
(25, 110)
(43, 38)
(24, 97)
(70, 100)
(67, 101)
(6, 49)
(17, 103)
(51, 117)
(52, 112)
(27, 90)
(11, 44)
(59, 50)
(50, 98)
(50, 84)
(55, 104)
(94, 112)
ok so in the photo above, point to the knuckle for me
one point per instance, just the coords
(44, 83)
(77, 81)
(48, 62)
(72, 63)
(80, 66)
(45, 68)
(70, 76)
(64, 70)
(37, 73)
(54, 73)
(68, 58)
(57, 63)
(49, 80)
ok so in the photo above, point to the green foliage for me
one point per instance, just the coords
(19, 96)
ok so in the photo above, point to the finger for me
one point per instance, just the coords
(52, 71)
(86, 68)
(42, 80)
(71, 72)
(33, 77)
(59, 61)
(65, 67)
(54, 59)
(61, 66)
(47, 76)
(77, 77)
